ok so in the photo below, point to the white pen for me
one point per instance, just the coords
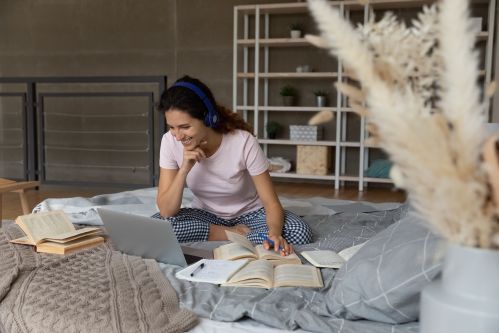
(197, 269)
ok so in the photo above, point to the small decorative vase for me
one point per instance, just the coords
(295, 33)
(321, 101)
(466, 298)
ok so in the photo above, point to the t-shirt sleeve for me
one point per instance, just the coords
(256, 162)
(166, 153)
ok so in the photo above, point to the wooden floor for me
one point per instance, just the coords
(12, 204)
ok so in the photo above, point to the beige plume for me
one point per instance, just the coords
(491, 89)
(321, 117)
(317, 41)
(354, 93)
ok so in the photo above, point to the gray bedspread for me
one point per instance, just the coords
(292, 308)
(336, 224)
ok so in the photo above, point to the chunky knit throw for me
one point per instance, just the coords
(95, 290)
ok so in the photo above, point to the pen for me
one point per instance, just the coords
(271, 242)
(197, 269)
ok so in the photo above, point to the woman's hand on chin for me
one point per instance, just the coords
(191, 156)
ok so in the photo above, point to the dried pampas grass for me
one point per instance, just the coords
(420, 95)
(321, 117)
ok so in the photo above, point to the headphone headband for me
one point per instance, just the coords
(211, 118)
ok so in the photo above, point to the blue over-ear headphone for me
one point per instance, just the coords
(211, 118)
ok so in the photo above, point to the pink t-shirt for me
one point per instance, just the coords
(221, 183)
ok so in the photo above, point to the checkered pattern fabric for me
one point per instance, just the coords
(193, 225)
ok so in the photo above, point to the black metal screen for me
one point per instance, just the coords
(89, 130)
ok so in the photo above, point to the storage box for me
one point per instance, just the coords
(304, 133)
(313, 160)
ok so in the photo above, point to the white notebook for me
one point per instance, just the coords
(211, 271)
(330, 259)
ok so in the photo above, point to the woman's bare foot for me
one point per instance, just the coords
(217, 232)
(240, 229)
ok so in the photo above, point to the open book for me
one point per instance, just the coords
(330, 259)
(53, 232)
(262, 274)
(242, 248)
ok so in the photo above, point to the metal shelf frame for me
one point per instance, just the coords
(260, 44)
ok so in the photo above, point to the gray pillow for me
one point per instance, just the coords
(383, 281)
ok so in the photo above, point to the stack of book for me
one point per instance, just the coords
(53, 232)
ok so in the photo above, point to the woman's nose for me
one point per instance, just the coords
(177, 135)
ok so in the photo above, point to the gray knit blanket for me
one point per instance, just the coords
(96, 290)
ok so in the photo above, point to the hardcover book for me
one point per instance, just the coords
(53, 232)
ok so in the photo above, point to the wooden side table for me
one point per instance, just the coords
(7, 185)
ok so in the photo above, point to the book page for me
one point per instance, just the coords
(272, 255)
(241, 240)
(350, 251)
(72, 235)
(233, 251)
(48, 224)
(22, 240)
(297, 276)
(62, 248)
(211, 271)
(268, 254)
(323, 258)
(258, 273)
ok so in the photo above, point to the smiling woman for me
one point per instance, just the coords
(212, 150)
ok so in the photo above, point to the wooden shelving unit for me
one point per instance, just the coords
(253, 71)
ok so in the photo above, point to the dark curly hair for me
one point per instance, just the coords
(186, 100)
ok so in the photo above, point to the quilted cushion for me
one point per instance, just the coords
(383, 281)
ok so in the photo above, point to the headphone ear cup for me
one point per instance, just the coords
(207, 120)
(211, 119)
(214, 120)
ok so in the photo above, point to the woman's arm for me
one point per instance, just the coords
(170, 190)
(172, 182)
(273, 211)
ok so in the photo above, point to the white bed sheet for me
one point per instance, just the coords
(241, 326)
(143, 202)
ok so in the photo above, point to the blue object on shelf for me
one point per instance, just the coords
(379, 169)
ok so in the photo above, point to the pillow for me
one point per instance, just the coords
(382, 282)
(379, 169)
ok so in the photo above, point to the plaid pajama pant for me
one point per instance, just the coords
(193, 225)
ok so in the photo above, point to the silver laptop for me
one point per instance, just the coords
(144, 237)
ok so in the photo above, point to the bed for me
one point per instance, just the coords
(377, 290)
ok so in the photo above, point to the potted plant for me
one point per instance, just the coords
(320, 98)
(288, 93)
(296, 30)
(272, 128)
